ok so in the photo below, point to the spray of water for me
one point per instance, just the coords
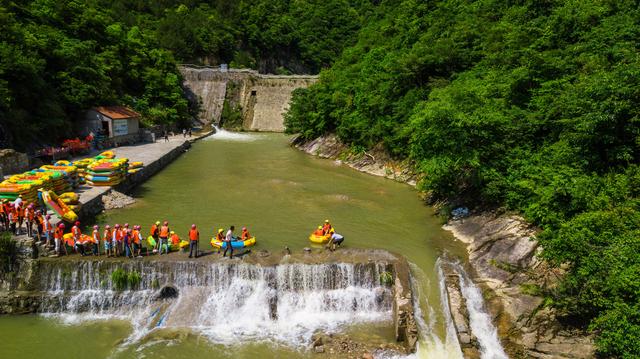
(479, 319)
(224, 135)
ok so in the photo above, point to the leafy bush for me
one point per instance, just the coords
(123, 280)
(532, 106)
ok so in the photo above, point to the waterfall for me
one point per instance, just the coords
(479, 320)
(227, 303)
(222, 134)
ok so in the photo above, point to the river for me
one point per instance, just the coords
(256, 180)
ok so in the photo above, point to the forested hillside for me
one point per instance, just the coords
(59, 58)
(532, 106)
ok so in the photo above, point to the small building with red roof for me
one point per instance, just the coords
(114, 122)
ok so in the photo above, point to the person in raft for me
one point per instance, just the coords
(220, 236)
(164, 237)
(96, 240)
(229, 238)
(245, 234)
(318, 232)
(194, 236)
(327, 228)
(107, 236)
(175, 240)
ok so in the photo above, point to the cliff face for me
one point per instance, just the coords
(263, 99)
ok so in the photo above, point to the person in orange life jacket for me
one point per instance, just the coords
(116, 239)
(174, 238)
(126, 241)
(77, 233)
(48, 230)
(327, 228)
(245, 234)
(220, 236)
(3, 215)
(194, 236)
(39, 221)
(107, 236)
(59, 238)
(136, 238)
(19, 217)
(30, 216)
(319, 232)
(164, 237)
(7, 212)
(155, 231)
(96, 240)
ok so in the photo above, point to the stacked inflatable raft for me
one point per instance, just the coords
(107, 172)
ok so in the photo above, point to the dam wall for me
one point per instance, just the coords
(262, 99)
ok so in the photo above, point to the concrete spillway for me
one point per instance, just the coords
(263, 99)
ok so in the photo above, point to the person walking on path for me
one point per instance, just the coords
(228, 239)
(194, 236)
(166, 136)
(30, 217)
(164, 237)
(184, 133)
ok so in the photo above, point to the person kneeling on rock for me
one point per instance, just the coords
(335, 241)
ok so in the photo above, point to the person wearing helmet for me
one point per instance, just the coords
(107, 236)
(7, 210)
(77, 233)
(59, 239)
(155, 231)
(48, 230)
(3, 214)
(327, 228)
(164, 237)
(39, 221)
(96, 240)
(30, 216)
(116, 240)
(20, 212)
(245, 234)
(126, 241)
(136, 239)
(175, 241)
(194, 236)
(220, 236)
(319, 232)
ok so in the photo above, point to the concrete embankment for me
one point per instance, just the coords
(502, 261)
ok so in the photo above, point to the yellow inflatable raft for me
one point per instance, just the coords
(319, 239)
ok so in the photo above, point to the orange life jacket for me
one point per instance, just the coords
(319, 232)
(153, 230)
(245, 235)
(14, 215)
(194, 234)
(326, 228)
(76, 231)
(136, 236)
(164, 231)
(175, 239)
(108, 234)
(31, 214)
(1, 208)
(119, 235)
(40, 219)
(58, 233)
(20, 211)
(47, 225)
(220, 236)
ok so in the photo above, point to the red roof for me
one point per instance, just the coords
(117, 112)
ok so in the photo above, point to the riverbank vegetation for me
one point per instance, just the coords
(532, 106)
(59, 58)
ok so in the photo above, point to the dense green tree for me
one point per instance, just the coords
(530, 105)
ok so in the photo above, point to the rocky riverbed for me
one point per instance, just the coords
(502, 260)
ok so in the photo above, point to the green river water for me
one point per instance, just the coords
(280, 194)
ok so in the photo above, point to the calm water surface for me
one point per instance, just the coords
(280, 194)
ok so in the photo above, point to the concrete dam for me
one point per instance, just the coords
(262, 99)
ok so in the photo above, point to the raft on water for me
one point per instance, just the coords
(238, 244)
